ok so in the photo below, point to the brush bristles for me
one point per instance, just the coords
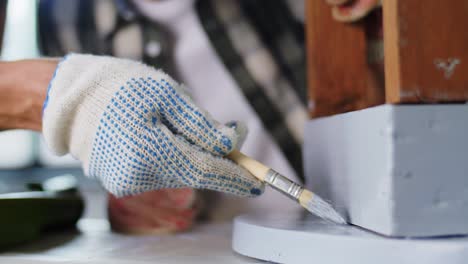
(320, 208)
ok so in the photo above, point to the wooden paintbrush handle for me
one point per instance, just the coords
(256, 168)
(284, 185)
(267, 175)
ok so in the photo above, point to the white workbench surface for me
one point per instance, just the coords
(95, 243)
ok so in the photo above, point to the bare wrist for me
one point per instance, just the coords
(23, 88)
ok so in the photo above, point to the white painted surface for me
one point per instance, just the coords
(399, 170)
(296, 238)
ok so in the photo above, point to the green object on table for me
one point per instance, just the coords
(25, 214)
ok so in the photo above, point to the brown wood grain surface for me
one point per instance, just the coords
(426, 50)
(339, 77)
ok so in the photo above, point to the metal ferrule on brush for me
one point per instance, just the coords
(283, 184)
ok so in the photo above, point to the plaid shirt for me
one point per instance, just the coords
(263, 48)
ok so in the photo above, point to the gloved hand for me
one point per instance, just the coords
(352, 10)
(135, 129)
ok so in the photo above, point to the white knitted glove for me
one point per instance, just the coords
(135, 129)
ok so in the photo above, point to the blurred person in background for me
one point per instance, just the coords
(150, 141)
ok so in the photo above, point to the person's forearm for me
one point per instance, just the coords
(23, 88)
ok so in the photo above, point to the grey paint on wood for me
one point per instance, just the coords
(399, 170)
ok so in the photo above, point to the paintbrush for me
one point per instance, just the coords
(310, 201)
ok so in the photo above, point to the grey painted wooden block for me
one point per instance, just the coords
(399, 170)
(296, 238)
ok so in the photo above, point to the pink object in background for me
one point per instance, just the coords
(155, 212)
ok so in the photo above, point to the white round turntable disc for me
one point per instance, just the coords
(299, 237)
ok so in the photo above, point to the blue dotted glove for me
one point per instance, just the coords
(135, 129)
